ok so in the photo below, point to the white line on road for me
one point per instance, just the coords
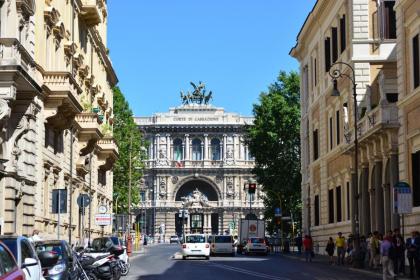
(248, 272)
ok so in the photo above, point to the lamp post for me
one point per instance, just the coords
(183, 219)
(335, 74)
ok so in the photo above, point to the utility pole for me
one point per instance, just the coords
(71, 184)
(90, 197)
(129, 247)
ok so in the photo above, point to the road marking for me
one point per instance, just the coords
(248, 272)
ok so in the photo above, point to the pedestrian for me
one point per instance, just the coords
(413, 252)
(399, 262)
(330, 248)
(307, 248)
(340, 244)
(35, 236)
(374, 250)
(387, 252)
(349, 249)
(298, 241)
(363, 249)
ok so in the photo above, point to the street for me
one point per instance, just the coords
(157, 263)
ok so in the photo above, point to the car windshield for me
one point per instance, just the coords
(11, 244)
(223, 239)
(196, 239)
(257, 240)
(55, 249)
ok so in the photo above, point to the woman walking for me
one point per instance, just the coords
(307, 247)
(330, 248)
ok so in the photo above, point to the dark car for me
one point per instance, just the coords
(9, 270)
(64, 268)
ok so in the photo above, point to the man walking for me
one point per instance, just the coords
(413, 250)
(399, 261)
(387, 255)
(374, 250)
(340, 244)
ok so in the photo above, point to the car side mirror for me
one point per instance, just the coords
(30, 262)
(48, 259)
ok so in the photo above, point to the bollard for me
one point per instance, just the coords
(129, 245)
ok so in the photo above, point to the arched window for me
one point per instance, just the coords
(178, 153)
(196, 149)
(215, 149)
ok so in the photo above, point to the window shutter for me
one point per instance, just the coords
(327, 55)
(343, 33)
(334, 34)
(416, 70)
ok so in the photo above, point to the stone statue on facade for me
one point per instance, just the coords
(196, 199)
(198, 96)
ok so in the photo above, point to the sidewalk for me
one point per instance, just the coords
(324, 259)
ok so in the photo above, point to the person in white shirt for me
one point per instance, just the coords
(35, 236)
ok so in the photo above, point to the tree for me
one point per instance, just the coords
(274, 141)
(127, 134)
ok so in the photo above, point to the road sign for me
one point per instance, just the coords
(277, 212)
(403, 198)
(103, 219)
(83, 200)
(102, 209)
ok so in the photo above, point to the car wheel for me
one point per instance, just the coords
(184, 257)
(232, 254)
(207, 257)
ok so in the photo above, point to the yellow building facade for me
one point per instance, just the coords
(56, 117)
(363, 34)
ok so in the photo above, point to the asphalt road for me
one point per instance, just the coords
(157, 263)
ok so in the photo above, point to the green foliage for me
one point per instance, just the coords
(127, 134)
(274, 141)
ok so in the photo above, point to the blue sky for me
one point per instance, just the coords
(236, 47)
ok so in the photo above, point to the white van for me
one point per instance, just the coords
(222, 244)
(195, 245)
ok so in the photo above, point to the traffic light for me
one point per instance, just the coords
(251, 188)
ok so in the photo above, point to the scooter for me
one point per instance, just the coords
(102, 267)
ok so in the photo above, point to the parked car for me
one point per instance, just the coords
(174, 239)
(256, 245)
(25, 255)
(9, 270)
(195, 245)
(64, 268)
(221, 244)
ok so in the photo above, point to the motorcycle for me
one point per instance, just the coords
(105, 266)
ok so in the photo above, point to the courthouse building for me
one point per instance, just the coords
(197, 161)
(56, 116)
(379, 39)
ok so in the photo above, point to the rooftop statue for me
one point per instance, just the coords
(198, 96)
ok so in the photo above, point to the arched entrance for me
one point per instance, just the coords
(198, 196)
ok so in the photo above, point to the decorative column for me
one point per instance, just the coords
(157, 146)
(379, 198)
(235, 151)
(187, 146)
(224, 145)
(241, 148)
(206, 147)
(393, 168)
(168, 146)
(364, 190)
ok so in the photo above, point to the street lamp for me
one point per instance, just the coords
(183, 218)
(335, 75)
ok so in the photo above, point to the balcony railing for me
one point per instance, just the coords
(164, 163)
(212, 204)
(382, 116)
(90, 12)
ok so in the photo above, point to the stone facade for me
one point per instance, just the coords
(55, 116)
(196, 157)
(361, 33)
(408, 61)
